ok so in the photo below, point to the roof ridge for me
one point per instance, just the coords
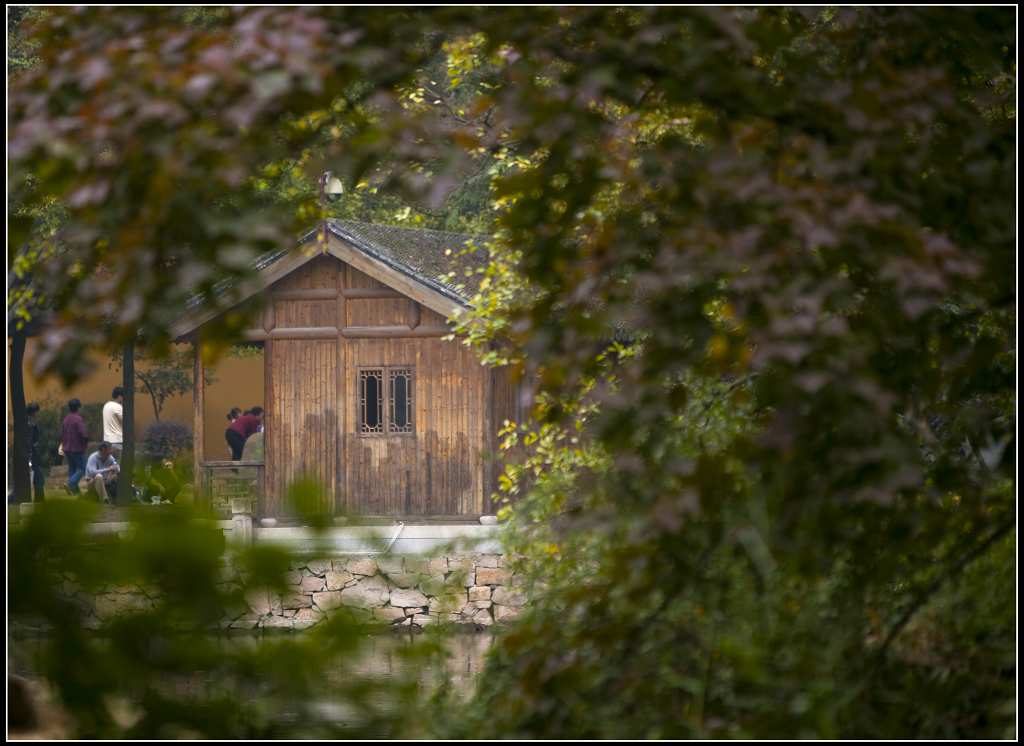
(410, 229)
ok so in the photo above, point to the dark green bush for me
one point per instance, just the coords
(165, 440)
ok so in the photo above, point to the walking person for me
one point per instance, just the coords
(243, 427)
(74, 439)
(34, 456)
(101, 473)
(113, 421)
(234, 438)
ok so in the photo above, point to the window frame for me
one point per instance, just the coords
(387, 374)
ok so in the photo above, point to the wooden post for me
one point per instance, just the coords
(22, 477)
(269, 423)
(124, 481)
(198, 407)
(341, 316)
(267, 478)
(488, 450)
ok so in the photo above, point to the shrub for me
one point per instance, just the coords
(165, 440)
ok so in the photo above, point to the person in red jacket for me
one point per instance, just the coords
(74, 440)
(244, 426)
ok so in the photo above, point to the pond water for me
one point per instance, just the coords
(381, 660)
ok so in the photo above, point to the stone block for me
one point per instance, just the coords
(483, 617)
(480, 593)
(335, 580)
(427, 566)
(405, 579)
(390, 565)
(364, 566)
(312, 584)
(388, 614)
(407, 597)
(114, 604)
(306, 618)
(296, 601)
(318, 567)
(492, 576)
(259, 602)
(506, 613)
(505, 596)
(366, 593)
(488, 560)
(326, 600)
(275, 622)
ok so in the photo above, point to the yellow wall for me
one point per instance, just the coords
(239, 383)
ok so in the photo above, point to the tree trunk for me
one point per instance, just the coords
(124, 482)
(22, 476)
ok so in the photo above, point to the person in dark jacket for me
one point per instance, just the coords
(35, 454)
(234, 439)
(243, 427)
(75, 439)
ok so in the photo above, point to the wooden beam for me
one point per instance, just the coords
(304, 332)
(393, 332)
(305, 294)
(291, 332)
(370, 293)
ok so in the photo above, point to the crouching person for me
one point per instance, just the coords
(101, 472)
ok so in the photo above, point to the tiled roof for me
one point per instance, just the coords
(425, 255)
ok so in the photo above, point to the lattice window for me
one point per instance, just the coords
(371, 401)
(400, 400)
(394, 384)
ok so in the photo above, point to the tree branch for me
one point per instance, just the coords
(932, 588)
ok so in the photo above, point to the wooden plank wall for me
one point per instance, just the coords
(504, 406)
(312, 401)
(302, 405)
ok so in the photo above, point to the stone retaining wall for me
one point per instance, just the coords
(477, 590)
(399, 591)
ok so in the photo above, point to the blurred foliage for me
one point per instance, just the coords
(159, 668)
(754, 265)
(804, 221)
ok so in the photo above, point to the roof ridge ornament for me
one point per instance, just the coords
(331, 190)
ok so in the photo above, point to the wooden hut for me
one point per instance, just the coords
(363, 393)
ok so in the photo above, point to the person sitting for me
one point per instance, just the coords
(244, 426)
(101, 472)
(163, 484)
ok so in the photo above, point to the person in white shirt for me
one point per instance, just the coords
(101, 472)
(113, 426)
